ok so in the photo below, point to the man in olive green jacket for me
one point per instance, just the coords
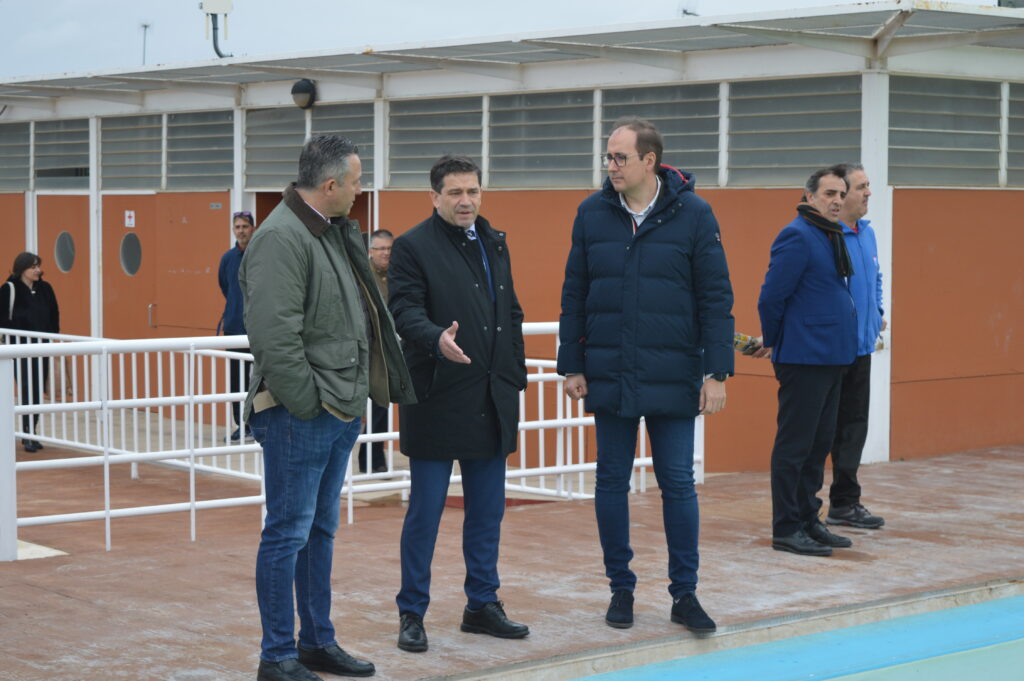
(322, 340)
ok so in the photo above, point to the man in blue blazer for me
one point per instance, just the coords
(809, 321)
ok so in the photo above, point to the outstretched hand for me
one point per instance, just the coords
(451, 351)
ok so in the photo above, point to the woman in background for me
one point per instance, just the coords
(27, 303)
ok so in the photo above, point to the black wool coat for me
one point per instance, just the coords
(436, 276)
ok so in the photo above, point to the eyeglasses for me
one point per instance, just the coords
(380, 248)
(619, 159)
(242, 214)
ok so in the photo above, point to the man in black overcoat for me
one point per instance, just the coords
(454, 306)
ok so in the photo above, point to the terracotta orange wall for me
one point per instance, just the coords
(12, 230)
(958, 321)
(539, 226)
(56, 214)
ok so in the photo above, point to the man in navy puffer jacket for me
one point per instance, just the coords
(646, 331)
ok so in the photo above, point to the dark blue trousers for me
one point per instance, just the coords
(483, 484)
(672, 451)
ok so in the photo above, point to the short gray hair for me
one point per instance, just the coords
(846, 169)
(324, 157)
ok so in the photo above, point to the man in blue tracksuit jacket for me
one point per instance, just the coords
(809, 321)
(854, 396)
(646, 331)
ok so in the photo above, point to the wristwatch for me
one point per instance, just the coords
(720, 377)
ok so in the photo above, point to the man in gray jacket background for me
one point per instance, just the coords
(322, 341)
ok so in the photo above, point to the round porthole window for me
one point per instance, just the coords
(131, 253)
(64, 252)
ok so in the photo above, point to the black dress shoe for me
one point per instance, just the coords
(854, 515)
(336, 661)
(817, 531)
(491, 619)
(412, 637)
(285, 670)
(620, 610)
(686, 610)
(30, 445)
(800, 543)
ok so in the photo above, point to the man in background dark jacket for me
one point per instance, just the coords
(646, 331)
(451, 295)
(233, 320)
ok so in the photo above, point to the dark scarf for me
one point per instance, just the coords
(834, 232)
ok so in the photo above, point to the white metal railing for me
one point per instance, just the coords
(167, 401)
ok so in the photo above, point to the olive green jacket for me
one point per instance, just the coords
(308, 290)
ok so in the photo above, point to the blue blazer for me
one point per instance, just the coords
(807, 313)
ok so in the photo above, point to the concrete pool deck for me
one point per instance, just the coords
(161, 607)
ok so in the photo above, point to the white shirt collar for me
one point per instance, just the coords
(639, 217)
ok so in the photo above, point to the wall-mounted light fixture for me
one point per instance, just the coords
(304, 93)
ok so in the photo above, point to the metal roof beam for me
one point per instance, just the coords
(492, 69)
(119, 96)
(204, 87)
(923, 43)
(370, 81)
(858, 47)
(670, 60)
(884, 36)
(45, 103)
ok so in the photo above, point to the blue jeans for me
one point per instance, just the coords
(304, 465)
(672, 451)
(483, 484)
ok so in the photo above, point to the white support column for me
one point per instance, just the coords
(238, 201)
(95, 232)
(875, 159)
(485, 141)
(1004, 132)
(723, 134)
(163, 151)
(598, 176)
(31, 227)
(380, 150)
(8, 480)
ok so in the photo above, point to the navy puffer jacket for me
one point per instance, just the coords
(646, 316)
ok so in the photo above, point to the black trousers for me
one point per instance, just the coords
(239, 372)
(851, 432)
(33, 374)
(808, 403)
(379, 422)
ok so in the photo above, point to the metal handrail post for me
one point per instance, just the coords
(8, 479)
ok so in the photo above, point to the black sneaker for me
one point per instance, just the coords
(620, 610)
(854, 515)
(817, 531)
(686, 610)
